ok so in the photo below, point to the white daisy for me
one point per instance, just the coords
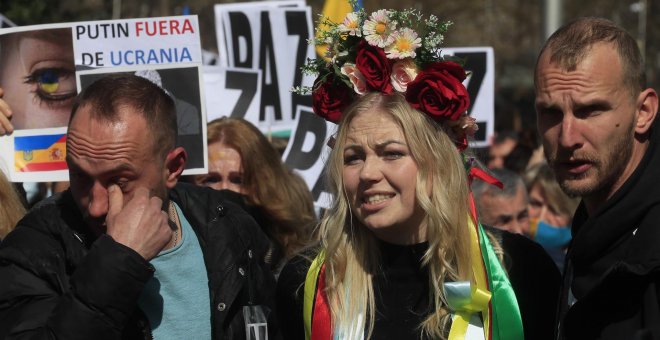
(351, 25)
(378, 29)
(404, 45)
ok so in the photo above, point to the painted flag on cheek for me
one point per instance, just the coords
(40, 153)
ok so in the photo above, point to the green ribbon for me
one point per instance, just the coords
(506, 320)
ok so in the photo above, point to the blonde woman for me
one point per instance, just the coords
(401, 254)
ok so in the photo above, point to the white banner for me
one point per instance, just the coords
(270, 37)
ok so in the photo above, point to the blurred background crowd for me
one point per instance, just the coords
(531, 203)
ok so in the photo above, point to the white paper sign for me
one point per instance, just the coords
(232, 92)
(270, 37)
(167, 40)
(39, 80)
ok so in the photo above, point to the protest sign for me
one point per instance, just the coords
(232, 92)
(38, 66)
(270, 37)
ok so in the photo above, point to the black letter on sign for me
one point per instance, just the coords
(240, 28)
(308, 123)
(296, 24)
(247, 83)
(476, 63)
(270, 93)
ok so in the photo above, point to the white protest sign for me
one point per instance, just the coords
(221, 9)
(259, 36)
(167, 40)
(232, 92)
(307, 152)
(47, 62)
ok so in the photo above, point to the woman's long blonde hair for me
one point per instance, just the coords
(352, 256)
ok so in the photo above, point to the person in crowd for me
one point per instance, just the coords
(6, 127)
(126, 252)
(551, 212)
(597, 121)
(242, 160)
(505, 208)
(518, 159)
(399, 247)
(11, 206)
(38, 79)
(501, 146)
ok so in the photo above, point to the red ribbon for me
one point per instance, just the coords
(321, 321)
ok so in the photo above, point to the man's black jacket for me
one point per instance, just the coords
(58, 281)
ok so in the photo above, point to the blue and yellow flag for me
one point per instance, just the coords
(40, 153)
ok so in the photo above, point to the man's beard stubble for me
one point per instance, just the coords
(608, 169)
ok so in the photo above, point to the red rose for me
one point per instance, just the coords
(330, 98)
(438, 91)
(374, 66)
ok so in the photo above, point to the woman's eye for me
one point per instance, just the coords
(393, 155)
(210, 180)
(351, 159)
(236, 180)
(52, 84)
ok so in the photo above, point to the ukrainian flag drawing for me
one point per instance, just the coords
(40, 153)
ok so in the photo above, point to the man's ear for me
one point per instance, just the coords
(175, 162)
(647, 108)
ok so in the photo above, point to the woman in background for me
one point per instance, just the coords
(242, 160)
(550, 212)
(11, 207)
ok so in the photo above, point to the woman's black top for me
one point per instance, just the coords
(401, 290)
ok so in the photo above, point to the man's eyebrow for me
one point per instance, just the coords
(121, 167)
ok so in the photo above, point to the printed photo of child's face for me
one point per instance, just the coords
(37, 74)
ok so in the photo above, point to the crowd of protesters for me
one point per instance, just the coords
(413, 246)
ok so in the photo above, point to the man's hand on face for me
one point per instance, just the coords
(141, 225)
(5, 115)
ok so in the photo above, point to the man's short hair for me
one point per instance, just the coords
(509, 179)
(108, 95)
(571, 43)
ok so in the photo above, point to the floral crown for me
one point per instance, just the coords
(389, 51)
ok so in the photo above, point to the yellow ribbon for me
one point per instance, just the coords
(310, 292)
(479, 293)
